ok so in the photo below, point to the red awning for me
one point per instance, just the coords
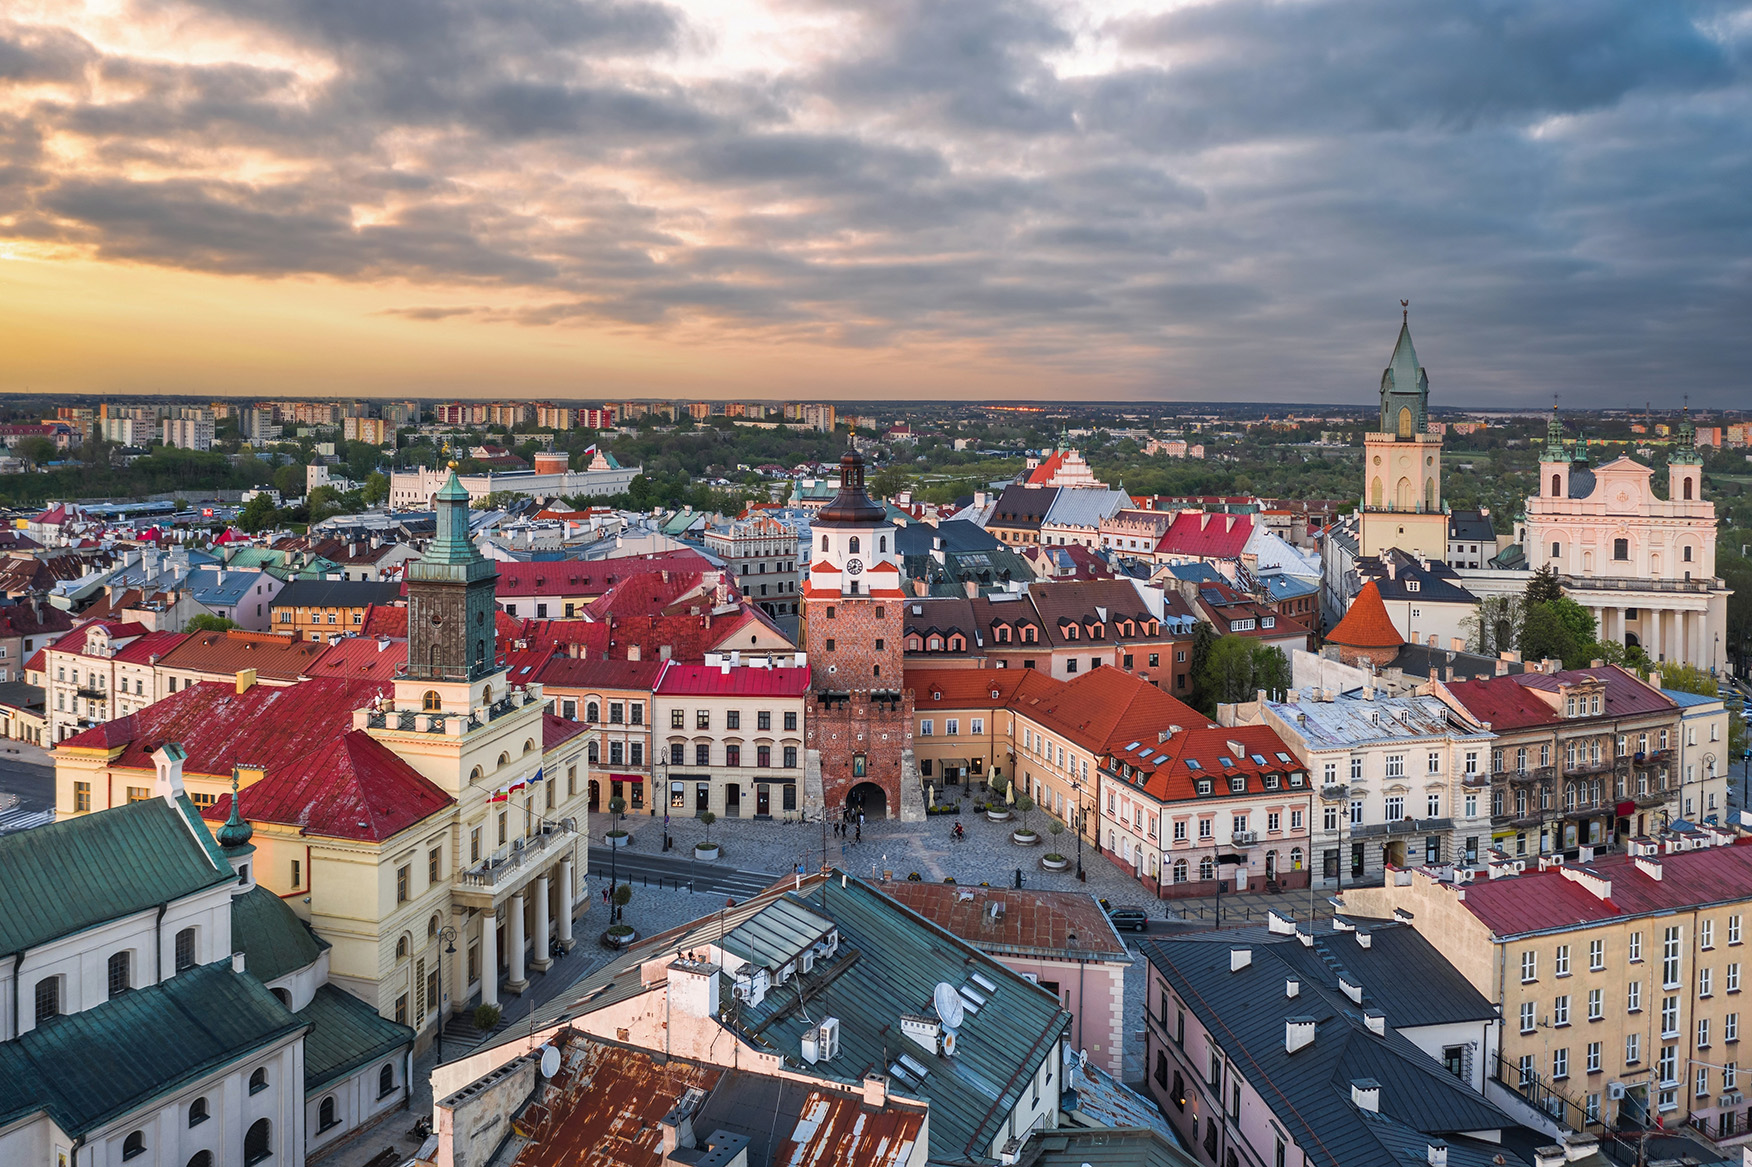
(626, 777)
(1624, 809)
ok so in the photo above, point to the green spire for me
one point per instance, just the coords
(1405, 387)
(1554, 437)
(236, 832)
(452, 544)
(1685, 444)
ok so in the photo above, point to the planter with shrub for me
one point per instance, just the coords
(617, 838)
(620, 936)
(1053, 861)
(485, 1017)
(1025, 836)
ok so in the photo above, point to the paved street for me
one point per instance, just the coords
(27, 786)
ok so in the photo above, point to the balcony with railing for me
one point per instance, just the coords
(453, 723)
(516, 863)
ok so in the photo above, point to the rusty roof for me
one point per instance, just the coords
(604, 1107)
(356, 658)
(1034, 923)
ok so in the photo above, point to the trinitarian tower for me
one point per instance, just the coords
(1402, 463)
(859, 725)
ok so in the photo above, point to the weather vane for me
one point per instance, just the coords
(1405, 311)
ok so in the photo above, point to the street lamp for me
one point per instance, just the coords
(448, 935)
(616, 808)
(1077, 785)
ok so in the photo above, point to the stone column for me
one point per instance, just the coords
(489, 958)
(539, 959)
(456, 976)
(568, 896)
(517, 981)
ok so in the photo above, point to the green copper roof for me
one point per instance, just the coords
(451, 556)
(345, 1034)
(235, 835)
(1403, 368)
(75, 874)
(1404, 386)
(452, 490)
(90, 1068)
(1685, 452)
(1554, 438)
(273, 940)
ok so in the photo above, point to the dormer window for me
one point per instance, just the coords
(1070, 632)
(1238, 785)
(957, 644)
(1204, 785)
(1412, 585)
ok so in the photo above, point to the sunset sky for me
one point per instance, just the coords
(883, 199)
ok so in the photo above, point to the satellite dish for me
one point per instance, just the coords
(949, 1043)
(550, 1061)
(948, 1002)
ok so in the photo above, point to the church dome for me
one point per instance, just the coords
(851, 507)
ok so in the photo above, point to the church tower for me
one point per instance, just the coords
(452, 641)
(1402, 463)
(860, 718)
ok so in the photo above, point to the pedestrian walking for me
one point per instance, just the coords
(860, 837)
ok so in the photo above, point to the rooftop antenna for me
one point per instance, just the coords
(1405, 311)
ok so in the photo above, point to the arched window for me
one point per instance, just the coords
(504, 760)
(474, 775)
(201, 1159)
(401, 947)
(431, 702)
(386, 1079)
(432, 926)
(1405, 421)
(134, 1144)
(255, 1143)
(198, 1112)
(1557, 486)
(824, 543)
(282, 996)
(325, 1113)
(1207, 869)
(1180, 871)
(480, 652)
(882, 543)
(1688, 489)
(528, 744)
(258, 1080)
(593, 752)
(853, 546)
(1295, 859)
(592, 711)
(1375, 492)
(120, 973)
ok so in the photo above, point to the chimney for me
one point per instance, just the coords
(1366, 1093)
(1548, 1156)
(1240, 958)
(1438, 1153)
(1577, 1146)
(168, 760)
(1364, 939)
(1292, 987)
(237, 966)
(875, 1091)
(1298, 1032)
(1649, 866)
(1376, 1021)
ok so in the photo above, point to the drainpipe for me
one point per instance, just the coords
(17, 963)
(158, 943)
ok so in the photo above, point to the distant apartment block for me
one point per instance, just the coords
(401, 413)
(189, 433)
(699, 410)
(819, 417)
(553, 417)
(596, 419)
(129, 431)
(258, 425)
(376, 430)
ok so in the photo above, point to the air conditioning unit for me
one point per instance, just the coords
(808, 961)
(1615, 1091)
(1246, 838)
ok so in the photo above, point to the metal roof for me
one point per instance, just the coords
(776, 935)
(91, 1067)
(64, 877)
(272, 938)
(345, 1034)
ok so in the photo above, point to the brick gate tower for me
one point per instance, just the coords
(860, 716)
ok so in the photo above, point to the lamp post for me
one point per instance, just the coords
(616, 806)
(1077, 785)
(448, 935)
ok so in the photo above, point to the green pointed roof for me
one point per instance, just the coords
(1403, 368)
(452, 555)
(1404, 386)
(1554, 437)
(235, 835)
(453, 489)
(1685, 451)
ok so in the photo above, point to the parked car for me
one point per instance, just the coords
(1126, 916)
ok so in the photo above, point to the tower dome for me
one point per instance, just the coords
(851, 506)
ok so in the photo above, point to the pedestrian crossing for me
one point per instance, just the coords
(21, 819)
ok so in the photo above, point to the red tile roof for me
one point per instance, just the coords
(76, 640)
(141, 651)
(1367, 624)
(577, 577)
(369, 658)
(1042, 474)
(1536, 900)
(384, 620)
(1625, 695)
(277, 656)
(570, 673)
(1501, 702)
(1207, 536)
(557, 731)
(359, 790)
(973, 688)
(1174, 780)
(581, 637)
(685, 680)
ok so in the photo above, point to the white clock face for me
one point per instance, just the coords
(854, 566)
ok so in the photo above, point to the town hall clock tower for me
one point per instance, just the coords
(860, 717)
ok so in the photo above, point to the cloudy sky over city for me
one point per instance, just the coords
(888, 198)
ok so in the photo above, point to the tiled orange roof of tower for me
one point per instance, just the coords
(1367, 624)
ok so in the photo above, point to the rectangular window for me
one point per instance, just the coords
(677, 755)
(976, 726)
(616, 753)
(1670, 959)
(733, 755)
(1560, 1063)
(925, 728)
(139, 793)
(1731, 1027)
(1705, 981)
(1560, 1010)
(1529, 966)
(1395, 765)
(677, 719)
(1632, 1048)
(1633, 997)
(763, 719)
(1734, 929)
(82, 796)
(1596, 955)
(1670, 1015)
(702, 754)
(952, 727)
(1706, 933)
(1635, 952)
(433, 867)
(1526, 1017)
(474, 845)
(702, 719)
(1561, 964)
(1593, 1057)
(1733, 985)
(763, 756)
(1596, 1004)
(616, 712)
(402, 878)
(297, 874)
(732, 719)
(1702, 1032)
(791, 720)
(790, 757)
(1356, 811)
